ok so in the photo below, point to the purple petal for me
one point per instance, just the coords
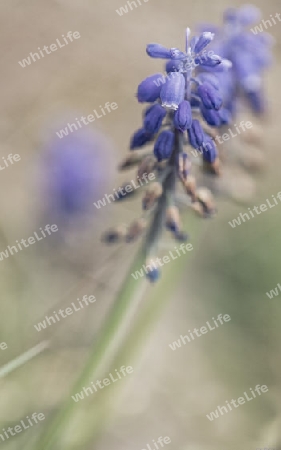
(150, 88)
(172, 93)
(203, 41)
(183, 116)
(164, 145)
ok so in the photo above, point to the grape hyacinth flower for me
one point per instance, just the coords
(180, 103)
(249, 51)
(68, 187)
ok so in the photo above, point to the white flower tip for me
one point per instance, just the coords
(226, 64)
(209, 35)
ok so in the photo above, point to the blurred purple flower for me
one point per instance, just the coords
(75, 172)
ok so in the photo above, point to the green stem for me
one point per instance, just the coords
(111, 326)
(151, 311)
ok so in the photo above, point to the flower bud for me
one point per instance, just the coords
(154, 118)
(152, 270)
(183, 116)
(149, 89)
(164, 145)
(225, 116)
(174, 65)
(203, 41)
(209, 148)
(211, 116)
(196, 134)
(172, 92)
(209, 96)
(207, 60)
(248, 15)
(209, 78)
(159, 51)
(140, 138)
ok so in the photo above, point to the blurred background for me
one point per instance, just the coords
(229, 271)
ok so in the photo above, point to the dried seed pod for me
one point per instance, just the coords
(130, 161)
(136, 229)
(214, 167)
(153, 192)
(198, 208)
(146, 166)
(205, 197)
(115, 234)
(173, 218)
(173, 224)
(184, 165)
(190, 186)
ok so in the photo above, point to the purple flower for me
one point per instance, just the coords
(149, 89)
(75, 173)
(230, 15)
(248, 15)
(225, 116)
(209, 148)
(159, 51)
(153, 274)
(208, 60)
(154, 118)
(140, 138)
(211, 116)
(211, 79)
(224, 66)
(257, 101)
(196, 134)
(164, 145)
(183, 116)
(202, 41)
(210, 96)
(172, 92)
(174, 65)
